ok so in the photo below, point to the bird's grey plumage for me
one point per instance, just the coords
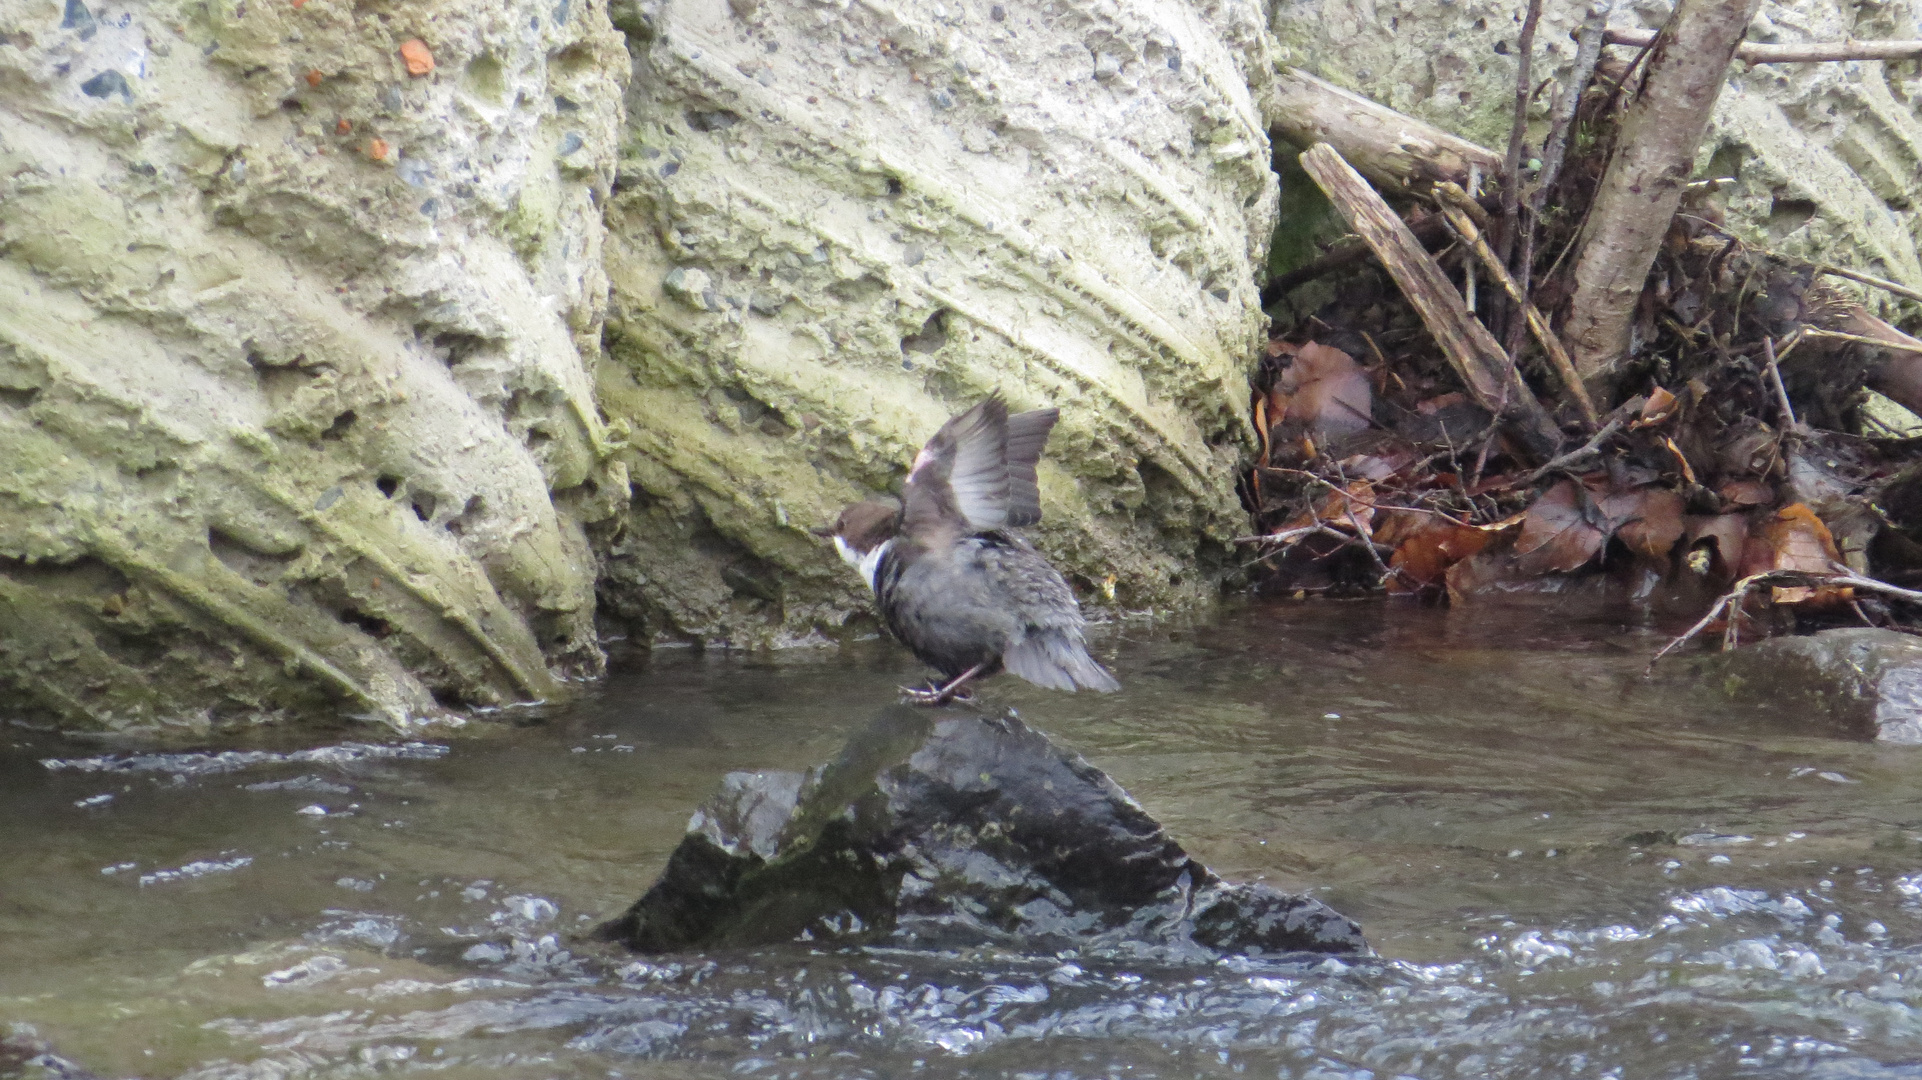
(969, 597)
(989, 599)
(1027, 437)
(980, 467)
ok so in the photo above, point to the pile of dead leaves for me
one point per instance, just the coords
(1376, 477)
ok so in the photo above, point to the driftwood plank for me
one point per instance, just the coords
(1393, 149)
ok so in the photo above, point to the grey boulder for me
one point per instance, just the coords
(1866, 681)
(947, 829)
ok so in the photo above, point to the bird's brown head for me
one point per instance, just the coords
(861, 528)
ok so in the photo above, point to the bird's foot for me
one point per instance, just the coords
(935, 695)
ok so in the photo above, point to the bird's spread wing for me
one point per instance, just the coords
(965, 468)
(1027, 437)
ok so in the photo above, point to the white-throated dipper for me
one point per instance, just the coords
(968, 596)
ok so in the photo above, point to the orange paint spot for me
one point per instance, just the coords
(418, 59)
(342, 127)
(314, 77)
(298, 4)
(377, 149)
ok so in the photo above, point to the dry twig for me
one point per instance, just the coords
(1809, 52)
(1585, 450)
(1841, 577)
(1859, 339)
(1394, 150)
(1588, 52)
(1557, 356)
(1789, 423)
(1511, 179)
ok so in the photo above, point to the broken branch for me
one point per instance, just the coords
(1485, 369)
(1870, 279)
(1585, 450)
(1588, 52)
(1511, 180)
(1396, 151)
(1842, 578)
(1789, 422)
(1859, 339)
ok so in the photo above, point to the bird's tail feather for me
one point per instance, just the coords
(1058, 661)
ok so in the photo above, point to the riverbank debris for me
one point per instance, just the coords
(1443, 424)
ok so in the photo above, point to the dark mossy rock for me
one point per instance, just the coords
(1866, 682)
(943, 829)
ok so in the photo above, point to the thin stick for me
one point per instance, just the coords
(1869, 279)
(1295, 536)
(1588, 52)
(1369, 503)
(1558, 356)
(1518, 127)
(1481, 462)
(1468, 265)
(1575, 455)
(1775, 380)
(1368, 544)
(1811, 52)
(1841, 577)
(1820, 268)
(1837, 335)
(1739, 592)
(1511, 179)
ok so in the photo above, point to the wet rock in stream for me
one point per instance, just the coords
(941, 829)
(1868, 681)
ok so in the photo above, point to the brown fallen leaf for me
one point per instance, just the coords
(1424, 553)
(1659, 407)
(1647, 519)
(1561, 532)
(1323, 391)
(1748, 492)
(1793, 538)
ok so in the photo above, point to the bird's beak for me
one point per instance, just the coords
(825, 532)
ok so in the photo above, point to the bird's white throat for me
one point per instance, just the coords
(868, 563)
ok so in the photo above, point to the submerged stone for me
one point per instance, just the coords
(943, 829)
(1868, 681)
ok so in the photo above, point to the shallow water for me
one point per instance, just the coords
(1568, 871)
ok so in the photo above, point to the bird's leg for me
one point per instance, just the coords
(941, 695)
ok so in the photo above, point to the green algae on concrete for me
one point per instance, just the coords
(833, 231)
(296, 426)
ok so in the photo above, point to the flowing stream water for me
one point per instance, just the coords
(1568, 871)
